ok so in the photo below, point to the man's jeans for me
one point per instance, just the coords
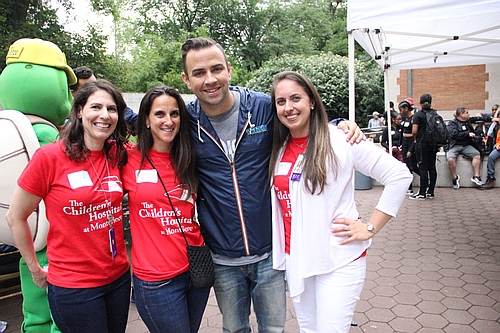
(236, 286)
(170, 306)
(97, 310)
(494, 155)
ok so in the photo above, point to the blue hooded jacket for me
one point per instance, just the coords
(234, 206)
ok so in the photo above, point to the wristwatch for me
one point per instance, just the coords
(371, 228)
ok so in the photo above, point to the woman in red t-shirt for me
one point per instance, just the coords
(88, 279)
(163, 163)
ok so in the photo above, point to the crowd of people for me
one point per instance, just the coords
(472, 137)
(264, 180)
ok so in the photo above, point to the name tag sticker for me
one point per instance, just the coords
(79, 179)
(283, 168)
(146, 176)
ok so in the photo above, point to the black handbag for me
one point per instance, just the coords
(201, 266)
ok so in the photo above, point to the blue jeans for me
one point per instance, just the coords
(98, 310)
(236, 286)
(172, 305)
(494, 155)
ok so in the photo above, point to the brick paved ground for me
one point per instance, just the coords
(435, 268)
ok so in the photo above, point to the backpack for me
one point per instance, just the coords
(436, 133)
(18, 144)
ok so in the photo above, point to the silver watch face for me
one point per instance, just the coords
(369, 226)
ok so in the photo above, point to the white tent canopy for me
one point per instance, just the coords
(427, 33)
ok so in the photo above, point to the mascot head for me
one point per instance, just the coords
(36, 80)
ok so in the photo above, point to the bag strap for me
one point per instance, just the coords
(169, 200)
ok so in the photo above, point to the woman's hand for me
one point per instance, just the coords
(40, 277)
(352, 131)
(355, 230)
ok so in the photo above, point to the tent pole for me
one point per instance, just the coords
(387, 107)
(352, 90)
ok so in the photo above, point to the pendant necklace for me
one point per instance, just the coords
(158, 157)
(299, 145)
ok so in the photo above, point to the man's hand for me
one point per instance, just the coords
(352, 131)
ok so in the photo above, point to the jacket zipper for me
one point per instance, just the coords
(239, 204)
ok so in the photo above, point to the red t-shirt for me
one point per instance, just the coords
(158, 248)
(295, 147)
(77, 197)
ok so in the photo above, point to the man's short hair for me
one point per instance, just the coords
(460, 110)
(83, 72)
(196, 44)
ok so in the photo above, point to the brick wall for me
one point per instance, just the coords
(450, 87)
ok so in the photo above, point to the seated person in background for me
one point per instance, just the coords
(375, 121)
(488, 115)
(494, 155)
(461, 135)
(396, 134)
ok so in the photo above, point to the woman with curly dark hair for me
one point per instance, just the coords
(78, 177)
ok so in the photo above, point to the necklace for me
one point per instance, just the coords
(158, 157)
(108, 202)
(299, 145)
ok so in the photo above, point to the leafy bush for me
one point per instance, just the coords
(330, 74)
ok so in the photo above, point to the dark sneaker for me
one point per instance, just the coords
(456, 183)
(429, 196)
(417, 197)
(490, 182)
(409, 192)
(477, 180)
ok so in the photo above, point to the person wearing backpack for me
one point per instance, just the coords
(462, 137)
(425, 150)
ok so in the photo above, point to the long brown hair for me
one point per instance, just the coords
(73, 134)
(319, 156)
(182, 153)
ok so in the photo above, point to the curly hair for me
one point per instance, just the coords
(73, 134)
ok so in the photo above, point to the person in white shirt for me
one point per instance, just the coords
(318, 238)
(375, 121)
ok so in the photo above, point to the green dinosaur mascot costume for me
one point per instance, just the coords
(36, 82)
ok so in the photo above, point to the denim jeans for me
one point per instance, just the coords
(99, 310)
(494, 155)
(172, 305)
(236, 286)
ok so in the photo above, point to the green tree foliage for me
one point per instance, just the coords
(250, 31)
(329, 73)
(37, 19)
(28, 19)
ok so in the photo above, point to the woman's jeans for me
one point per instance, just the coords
(98, 310)
(235, 288)
(172, 305)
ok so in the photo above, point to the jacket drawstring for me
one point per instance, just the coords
(250, 120)
(199, 131)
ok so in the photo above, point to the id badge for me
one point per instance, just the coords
(112, 243)
(297, 168)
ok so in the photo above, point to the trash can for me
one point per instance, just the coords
(362, 181)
